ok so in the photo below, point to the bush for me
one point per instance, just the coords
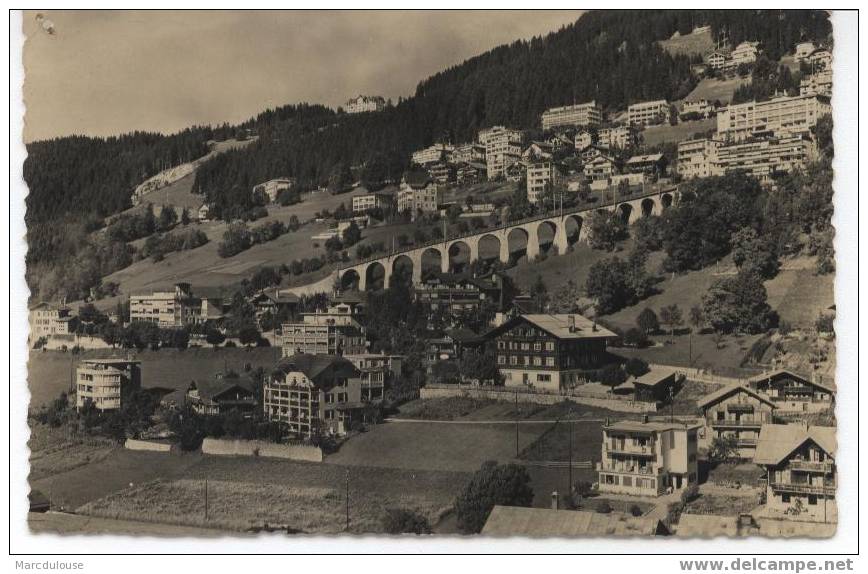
(636, 367)
(404, 521)
(635, 338)
(603, 507)
(507, 484)
(635, 510)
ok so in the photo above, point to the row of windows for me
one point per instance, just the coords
(526, 360)
(525, 346)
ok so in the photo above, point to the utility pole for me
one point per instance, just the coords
(516, 423)
(570, 485)
(348, 498)
(206, 499)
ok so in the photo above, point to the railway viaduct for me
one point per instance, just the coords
(541, 234)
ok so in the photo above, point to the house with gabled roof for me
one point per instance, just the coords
(801, 471)
(224, 393)
(736, 411)
(551, 352)
(792, 392)
(313, 394)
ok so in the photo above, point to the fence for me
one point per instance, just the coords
(228, 447)
(536, 396)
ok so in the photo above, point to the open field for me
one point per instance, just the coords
(435, 445)
(53, 451)
(694, 43)
(77, 524)
(654, 135)
(713, 89)
(49, 372)
(372, 491)
(122, 468)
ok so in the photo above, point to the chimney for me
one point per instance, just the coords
(571, 321)
(555, 498)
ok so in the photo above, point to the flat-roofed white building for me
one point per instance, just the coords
(433, 154)
(578, 115)
(819, 83)
(648, 458)
(541, 176)
(47, 320)
(697, 109)
(106, 383)
(468, 153)
(620, 137)
(744, 53)
(273, 187)
(765, 157)
(503, 147)
(175, 308)
(794, 114)
(697, 158)
(374, 200)
(648, 113)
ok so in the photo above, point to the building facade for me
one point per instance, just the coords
(793, 114)
(432, 154)
(374, 200)
(791, 392)
(801, 471)
(335, 331)
(765, 157)
(313, 395)
(374, 370)
(739, 412)
(647, 458)
(47, 321)
(106, 383)
(579, 115)
(697, 158)
(540, 177)
(273, 187)
(418, 193)
(648, 113)
(175, 308)
(549, 352)
(503, 147)
(361, 104)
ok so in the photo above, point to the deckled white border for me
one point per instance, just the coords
(846, 185)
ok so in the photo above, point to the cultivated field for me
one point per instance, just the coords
(49, 372)
(689, 44)
(54, 451)
(713, 89)
(309, 497)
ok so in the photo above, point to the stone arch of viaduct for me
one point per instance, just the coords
(560, 232)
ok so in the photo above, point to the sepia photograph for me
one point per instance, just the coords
(432, 273)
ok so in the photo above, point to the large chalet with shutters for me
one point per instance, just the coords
(736, 411)
(549, 352)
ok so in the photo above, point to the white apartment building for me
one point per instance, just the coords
(335, 331)
(697, 158)
(361, 104)
(468, 153)
(583, 139)
(647, 458)
(803, 50)
(818, 83)
(600, 168)
(765, 157)
(433, 154)
(175, 308)
(587, 114)
(273, 187)
(375, 200)
(648, 113)
(106, 383)
(701, 108)
(620, 137)
(794, 114)
(541, 176)
(744, 53)
(502, 149)
(374, 368)
(47, 321)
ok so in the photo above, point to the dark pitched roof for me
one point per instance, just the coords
(728, 390)
(776, 442)
(209, 389)
(417, 179)
(322, 370)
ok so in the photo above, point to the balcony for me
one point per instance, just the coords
(630, 450)
(738, 423)
(803, 488)
(749, 442)
(644, 471)
(739, 408)
(811, 466)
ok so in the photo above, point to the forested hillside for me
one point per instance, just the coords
(612, 57)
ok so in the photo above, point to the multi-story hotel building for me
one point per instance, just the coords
(697, 158)
(364, 104)
(433, 154)
(335, 331)
(541, 176)
(764, 157)
(801, 471)
(418, 193)
(736, 411)
(744, 53)
(374, 370)
(648, 113)
(468, 153)
(699, 108)
(549, 352)
(818, 83)
(587, 114)
(502, 149)
(374, 200)
(313, 394)
(47, 320)
(794, 114)
(647, 458)
(106, 383)
(620, 137)
(176, 308)
(455, 293)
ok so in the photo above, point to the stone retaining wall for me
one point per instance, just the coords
(618, 405)
(149, 445)
(261, 448)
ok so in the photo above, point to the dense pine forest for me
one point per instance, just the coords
(612, 57)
